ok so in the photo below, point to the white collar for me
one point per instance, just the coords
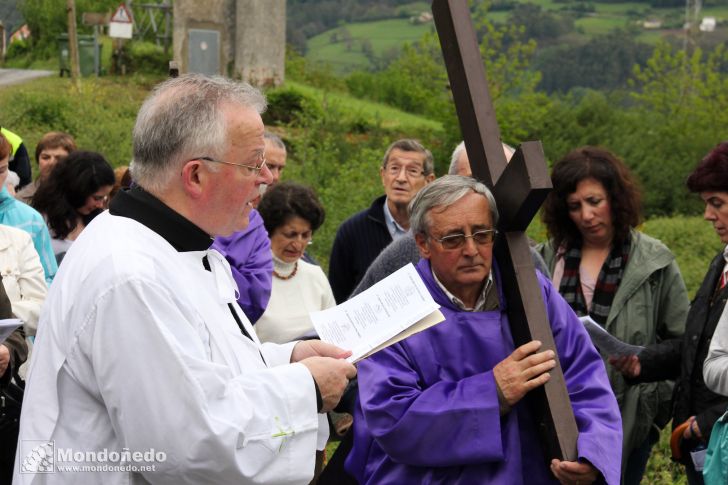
(395, 230)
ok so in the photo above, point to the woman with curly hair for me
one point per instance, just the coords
(626, 281)
(76, 191)
(291, 213)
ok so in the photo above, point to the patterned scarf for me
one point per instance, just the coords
(607, 282)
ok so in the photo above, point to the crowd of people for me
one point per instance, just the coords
(166, 306)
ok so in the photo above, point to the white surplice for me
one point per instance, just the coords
(137, 350)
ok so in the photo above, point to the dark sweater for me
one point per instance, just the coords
(358, 242)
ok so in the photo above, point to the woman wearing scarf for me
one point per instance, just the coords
(626, 281)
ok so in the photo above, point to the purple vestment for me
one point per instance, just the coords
(248, 252)
(428, 406)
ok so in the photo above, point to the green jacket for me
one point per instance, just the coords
(651, 305)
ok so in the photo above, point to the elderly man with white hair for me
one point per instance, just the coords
(147, 371)
(460, 165)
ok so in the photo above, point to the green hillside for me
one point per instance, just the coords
(387, 116)
(360, 45)
(346, 53)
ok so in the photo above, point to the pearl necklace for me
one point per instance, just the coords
(287, 277)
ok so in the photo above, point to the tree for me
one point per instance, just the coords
(604, 62)
(543, 26)
(47, 19)
(680, 113)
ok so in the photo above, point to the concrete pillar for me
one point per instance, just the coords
(260, 41)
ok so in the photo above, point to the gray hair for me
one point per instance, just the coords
(182, 119)
(410, 145)
(444, 192)
(274, 139)
(453, 170)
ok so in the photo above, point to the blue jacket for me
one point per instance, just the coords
(17, 214)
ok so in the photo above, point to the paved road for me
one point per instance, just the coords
(15, 76)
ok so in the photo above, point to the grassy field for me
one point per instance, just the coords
(718, 11)
(100, 117)
(599, 25)
(348, 55)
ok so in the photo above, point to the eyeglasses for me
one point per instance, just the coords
(275, 167)
(100, 198)
(456, 241)
(249, 169)
(306, 237)
(411, 171)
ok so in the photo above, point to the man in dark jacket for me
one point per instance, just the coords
(406, 168)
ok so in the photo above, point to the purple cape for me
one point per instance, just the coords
(428, 406)
(248, 252)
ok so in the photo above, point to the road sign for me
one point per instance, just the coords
(122, 15)
(121, 24)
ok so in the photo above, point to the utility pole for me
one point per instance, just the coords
(73, 44)
(692, 21)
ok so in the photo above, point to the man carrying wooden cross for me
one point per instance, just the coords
(445, 405)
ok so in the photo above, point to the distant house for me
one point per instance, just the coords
(422, 18)
(21, 34)
(652, 24)
(708, 24)
(11, 16)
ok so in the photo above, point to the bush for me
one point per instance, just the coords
(693, 242)
(46, 109)
(100, 117)
(18, 48)
(146, 57)
(290, 106)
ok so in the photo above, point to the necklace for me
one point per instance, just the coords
(287, 277)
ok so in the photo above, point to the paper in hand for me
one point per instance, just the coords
(7, 327)
(393, 309)
(606, 342)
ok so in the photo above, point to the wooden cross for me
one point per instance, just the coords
(519, 188)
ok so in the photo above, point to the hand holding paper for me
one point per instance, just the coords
(317, 348)
(629, 365)
(7, 327)
(393, 309)
(606, 342)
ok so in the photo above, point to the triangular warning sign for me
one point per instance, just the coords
(122, 15)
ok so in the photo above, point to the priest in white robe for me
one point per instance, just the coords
(145, 368)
